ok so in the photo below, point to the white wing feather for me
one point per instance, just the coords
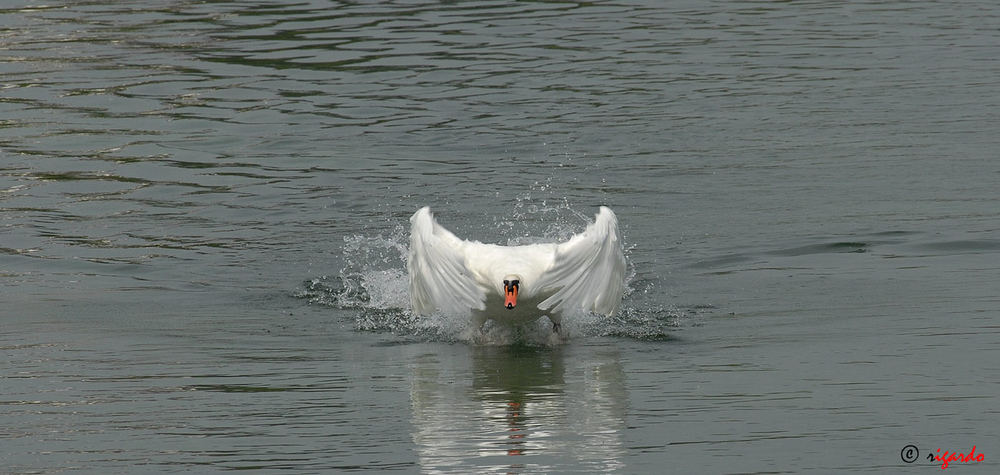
(439, 279)
(589, 270)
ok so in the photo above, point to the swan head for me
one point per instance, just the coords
(511, 284)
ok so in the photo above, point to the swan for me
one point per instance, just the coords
(514, 284)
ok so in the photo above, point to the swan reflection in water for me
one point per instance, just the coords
(513, 408)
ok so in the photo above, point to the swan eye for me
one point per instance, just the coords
(514, 283)
(506, 283)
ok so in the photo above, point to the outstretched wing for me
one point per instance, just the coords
(589, 270)
(439, 279)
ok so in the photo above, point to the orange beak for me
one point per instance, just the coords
(510, 298)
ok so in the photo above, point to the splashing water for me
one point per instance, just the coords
(374, 285)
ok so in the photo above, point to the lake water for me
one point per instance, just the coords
(204, 211)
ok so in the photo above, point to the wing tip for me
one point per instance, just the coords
(606, 213)
(422, 220)
(607, 222)
(425, 211)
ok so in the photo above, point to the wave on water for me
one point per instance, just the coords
(373, 286)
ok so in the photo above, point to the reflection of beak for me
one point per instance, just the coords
(510, 300)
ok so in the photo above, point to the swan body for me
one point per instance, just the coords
(515, 283)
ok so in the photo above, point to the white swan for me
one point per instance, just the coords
(515, 283)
